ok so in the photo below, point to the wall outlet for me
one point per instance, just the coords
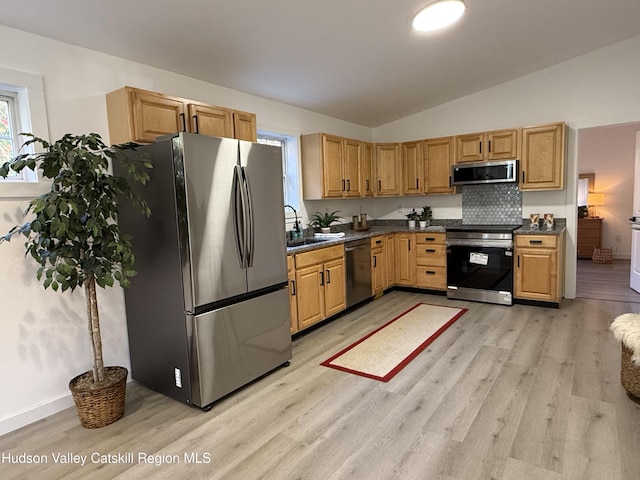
(618, 238)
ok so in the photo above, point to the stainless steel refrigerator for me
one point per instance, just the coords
(208, 311)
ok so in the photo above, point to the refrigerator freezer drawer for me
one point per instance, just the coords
(237, 344)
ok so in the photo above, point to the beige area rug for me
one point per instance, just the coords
(381, 354)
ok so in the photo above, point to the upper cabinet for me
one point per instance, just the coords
(209, 120)
(137, 115)
(495, 145)
(542, 160)
(388, 171)
(412, 179)
(438, 157)
(331, 166)
(368, 170)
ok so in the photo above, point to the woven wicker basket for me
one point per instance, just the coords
(103, 405)
(629, 373)
(602, 255)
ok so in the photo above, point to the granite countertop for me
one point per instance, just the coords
(381, 227)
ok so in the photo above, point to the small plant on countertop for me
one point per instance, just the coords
(425, 214)
(324, 220)
(413, 215)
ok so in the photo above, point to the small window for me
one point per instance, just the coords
(289, 145)
(9, 142)
(22, 110)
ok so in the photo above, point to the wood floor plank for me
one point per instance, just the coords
(519, 470)
(592, 444)
(541, 434)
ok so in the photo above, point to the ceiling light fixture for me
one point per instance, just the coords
(438, 15)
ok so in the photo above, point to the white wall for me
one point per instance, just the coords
(599, 88)
(609, 152)
(43, 335)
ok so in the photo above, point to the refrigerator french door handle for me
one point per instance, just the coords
(249, 219)
(239, 221)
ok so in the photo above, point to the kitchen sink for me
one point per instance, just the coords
(305, 241)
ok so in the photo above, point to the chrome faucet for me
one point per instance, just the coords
(296, 225)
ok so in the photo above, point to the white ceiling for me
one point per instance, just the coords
(355, 60)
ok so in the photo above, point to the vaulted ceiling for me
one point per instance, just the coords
(355, 60)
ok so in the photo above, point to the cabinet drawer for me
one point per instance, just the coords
(431, 277)
(542, 241)
(431, 254)
(430, 238)
(290, 263)
(377, 242)
(319, 256)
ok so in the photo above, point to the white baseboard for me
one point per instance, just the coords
(27, 417)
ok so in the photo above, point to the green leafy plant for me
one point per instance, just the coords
(324, 220)
(413, 215)
(425, 214)
(73, 232)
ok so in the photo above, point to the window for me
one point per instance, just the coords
(9, 141)
(22, 109)
(289, 145)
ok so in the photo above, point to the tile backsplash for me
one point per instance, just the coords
(492, 204)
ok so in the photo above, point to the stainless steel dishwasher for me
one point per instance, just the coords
(358, 258)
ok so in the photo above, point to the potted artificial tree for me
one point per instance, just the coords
(424, 217)
(73, 234)
(324, 220)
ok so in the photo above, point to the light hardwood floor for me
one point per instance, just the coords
(605, 281)
(511, 393)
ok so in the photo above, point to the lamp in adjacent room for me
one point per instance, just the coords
(595, 200)
(438, 15)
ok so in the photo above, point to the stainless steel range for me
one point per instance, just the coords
(480, 263)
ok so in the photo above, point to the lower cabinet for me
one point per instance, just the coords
(390, 259)
(319, 285)
(538, 267)
(420, 260)
(431, 261)
(378, 265)
(293, 307)
(405, 260)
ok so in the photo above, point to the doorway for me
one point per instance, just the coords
(608, 153)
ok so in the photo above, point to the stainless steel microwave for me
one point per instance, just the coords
(473, 173)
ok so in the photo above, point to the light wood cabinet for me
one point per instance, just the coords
(310, 293)
(538, 267)
(589, 236)
(209, 120)
(244, 126)
(368, 170)
(412, 176)
(390, 260)
(137, 115)
(494, 145)
(378, 264)
(331, 166)
(352, 167)
(405, 259)
(293, 304)
(543, 157)
(320, 285)
(431, 261)
(388, 171)
(438, 157)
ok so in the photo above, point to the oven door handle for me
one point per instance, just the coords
(508, 244)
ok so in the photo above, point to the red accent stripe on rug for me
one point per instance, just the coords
(392, 373)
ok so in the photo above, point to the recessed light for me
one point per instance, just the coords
(438, 15)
